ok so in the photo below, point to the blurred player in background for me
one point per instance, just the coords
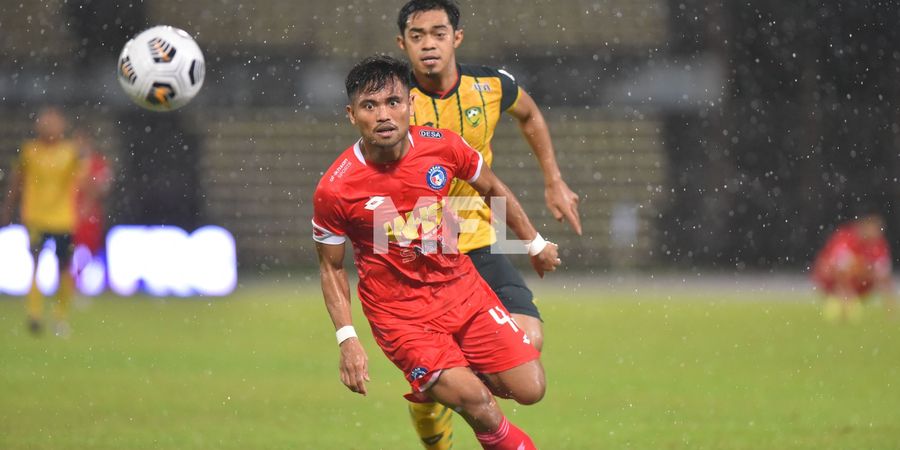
(854, 263)
(91, 214)
(431, 313)
(469, 100)
(46, 177)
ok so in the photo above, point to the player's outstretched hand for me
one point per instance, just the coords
(354, 366)
(547, 260)
(563, 204)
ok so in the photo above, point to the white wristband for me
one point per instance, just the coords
(345, 332)
(536, 246)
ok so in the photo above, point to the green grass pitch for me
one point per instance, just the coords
(710, 368)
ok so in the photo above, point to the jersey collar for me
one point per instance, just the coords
(451, 91)
(358, 151)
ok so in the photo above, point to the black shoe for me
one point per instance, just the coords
(35, 327)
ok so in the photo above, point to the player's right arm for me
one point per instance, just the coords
(561, 200)
(336, 290)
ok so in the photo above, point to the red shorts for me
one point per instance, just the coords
(859, 286)
(478, 334)
(89, 234)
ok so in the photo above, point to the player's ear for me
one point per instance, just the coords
(350, 115)
(412, 103)
(400, 42)
(457, 38)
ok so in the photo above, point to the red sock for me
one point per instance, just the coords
(507, 437)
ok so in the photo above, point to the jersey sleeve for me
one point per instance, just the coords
(468, 160)
(328, 222)
(509, 90)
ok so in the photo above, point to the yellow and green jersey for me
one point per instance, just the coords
(472, 109)
(49, 184)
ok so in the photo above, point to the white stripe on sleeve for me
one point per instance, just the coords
(325, 236)
(478, 170)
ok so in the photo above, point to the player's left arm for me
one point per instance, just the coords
(488, 185)
(561, 201)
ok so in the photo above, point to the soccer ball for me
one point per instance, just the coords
(161, 68)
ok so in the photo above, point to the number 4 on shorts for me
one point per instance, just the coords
(502, 318)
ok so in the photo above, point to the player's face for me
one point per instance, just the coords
(50, 125)
(430, 42)
(870, 227)
(382, 116)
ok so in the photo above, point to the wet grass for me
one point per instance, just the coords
(717, 370)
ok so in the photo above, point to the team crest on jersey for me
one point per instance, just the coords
(433, 134)
(436, 177)
(474, 115)
(417, 373)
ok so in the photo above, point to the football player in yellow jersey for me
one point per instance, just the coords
(469, 100)
(46, 177)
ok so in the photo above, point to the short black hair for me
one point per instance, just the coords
(374, 73)
(416, 6)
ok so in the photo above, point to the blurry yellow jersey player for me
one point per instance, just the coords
(47, 176)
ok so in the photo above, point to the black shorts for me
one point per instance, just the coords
(505, 280)
(63, 243)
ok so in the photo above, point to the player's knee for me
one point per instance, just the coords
(530, 394)
(530, 388)
(481, 407)
(477, 399)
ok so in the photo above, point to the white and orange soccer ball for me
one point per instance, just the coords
(162, 68)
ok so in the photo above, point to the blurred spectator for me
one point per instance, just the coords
(90, 224)
(854, 263)
(46, 177)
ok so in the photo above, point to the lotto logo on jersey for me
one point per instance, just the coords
(432, 134)
(436, 177)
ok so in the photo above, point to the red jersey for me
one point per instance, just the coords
(845, 250)
(393, 215)
(90, 223)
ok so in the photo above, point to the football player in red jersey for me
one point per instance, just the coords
(855, 262)
(90, 221)
(430, 312)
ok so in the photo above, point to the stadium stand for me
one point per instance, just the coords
(259, 170)
(35, 33)
(327, 29)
